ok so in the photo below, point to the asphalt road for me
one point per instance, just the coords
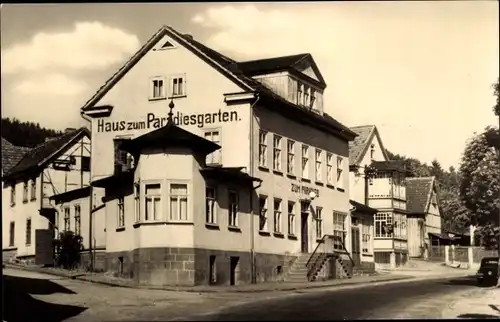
(415, 299)
(31, 296)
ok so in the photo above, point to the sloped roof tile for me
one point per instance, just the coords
(418, 193)
(11, 155)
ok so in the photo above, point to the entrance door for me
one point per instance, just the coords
(355, 243)
(233, 269)
(304, 236)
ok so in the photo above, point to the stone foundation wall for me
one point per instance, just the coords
(99, 260)
(9, 255)
(188, 266)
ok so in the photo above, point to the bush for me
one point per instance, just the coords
(68, 248)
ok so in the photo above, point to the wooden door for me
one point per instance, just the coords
(304, 234)
(356, 245)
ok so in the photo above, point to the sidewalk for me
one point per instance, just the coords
(246, 288)
(483, 303)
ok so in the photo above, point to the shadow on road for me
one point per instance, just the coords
(466, 281)
(19, 305)
(477, 316)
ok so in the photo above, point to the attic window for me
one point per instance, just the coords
(372, 151)
(167, 45)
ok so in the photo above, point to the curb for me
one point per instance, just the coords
(82, 277)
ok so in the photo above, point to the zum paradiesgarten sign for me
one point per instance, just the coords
(154, 121)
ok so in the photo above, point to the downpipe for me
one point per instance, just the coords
(91, 199)
(252, 172)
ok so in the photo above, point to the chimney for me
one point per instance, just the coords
(188, 36)
(69, 129)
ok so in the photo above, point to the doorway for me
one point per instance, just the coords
(355, 243)
(233, 269)
(304, 232)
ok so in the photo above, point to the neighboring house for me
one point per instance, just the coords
(29, 218)
(379, 185)
(424, 218)
(11, 155)
(268, 118)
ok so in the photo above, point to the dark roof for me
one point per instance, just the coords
(115, 180)
(359, 146)
(391, 165)
(11, 155)
(71, 195)
(170, 136)
(227, 67)
(228, 173)
(276, 64)
(46, 151)
(418, 194)
(441, 236)
(362, 207)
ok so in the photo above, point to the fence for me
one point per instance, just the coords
(467, 257)
(437, 253)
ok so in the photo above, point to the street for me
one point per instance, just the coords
(32, 296)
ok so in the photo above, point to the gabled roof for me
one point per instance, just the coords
(11, 155)
(359, 146)
(276, 64)
(46, 152)
(170, 136)
(226, 66)
(418, 194)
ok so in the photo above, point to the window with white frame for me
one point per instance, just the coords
(300, 94)
(262, 148)
(211, 205)
(366, 237)
(25, 191)
(319, 167)
(121, 212)
(152, 202)
(78, 220)
(67, 224)
(340, 172)
(305, 161)
(137, 201)
(291, 218)
(339, 230)
(382, 225)
(277, 152)
(178, 85)
(178, 201)
(12, 232)
(319, 222)
(263, 213)
(216, 156)
(277, 215)
(233, 208)
(13, 194)
(329, 168)
(157, 88)
(290, 159)
(28, 231)
(33, 189)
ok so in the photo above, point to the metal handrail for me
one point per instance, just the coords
(322, 241)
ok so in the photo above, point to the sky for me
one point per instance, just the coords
(422, 72)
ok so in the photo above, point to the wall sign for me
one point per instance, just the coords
(304, 189)
(154, 121)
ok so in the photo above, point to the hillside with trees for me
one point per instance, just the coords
(27, 134)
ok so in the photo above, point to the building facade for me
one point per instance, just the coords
(424, 217)
(29, 218)
(267, 117)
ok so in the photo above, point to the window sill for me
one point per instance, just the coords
(292, 236)
(331, 186)
(264, 233)
(278, 234)
(305, 180)
(319, 183)
(152, 99)
(212, 226)
(234, 228)
(263, 168)
(120, 229)
(177, 96)
(163, 222)
(33, 199)
(340, 189)
(10, 247)
(25, 201)
(28, 245)
(291, 176)
(367, 254)
(12, 204)
(278, 172)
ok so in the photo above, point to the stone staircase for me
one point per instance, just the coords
(298, 269)
(299, 272)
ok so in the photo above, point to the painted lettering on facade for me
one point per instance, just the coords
(154, 121)
(304, 189)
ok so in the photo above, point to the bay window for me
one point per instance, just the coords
(382, 222)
